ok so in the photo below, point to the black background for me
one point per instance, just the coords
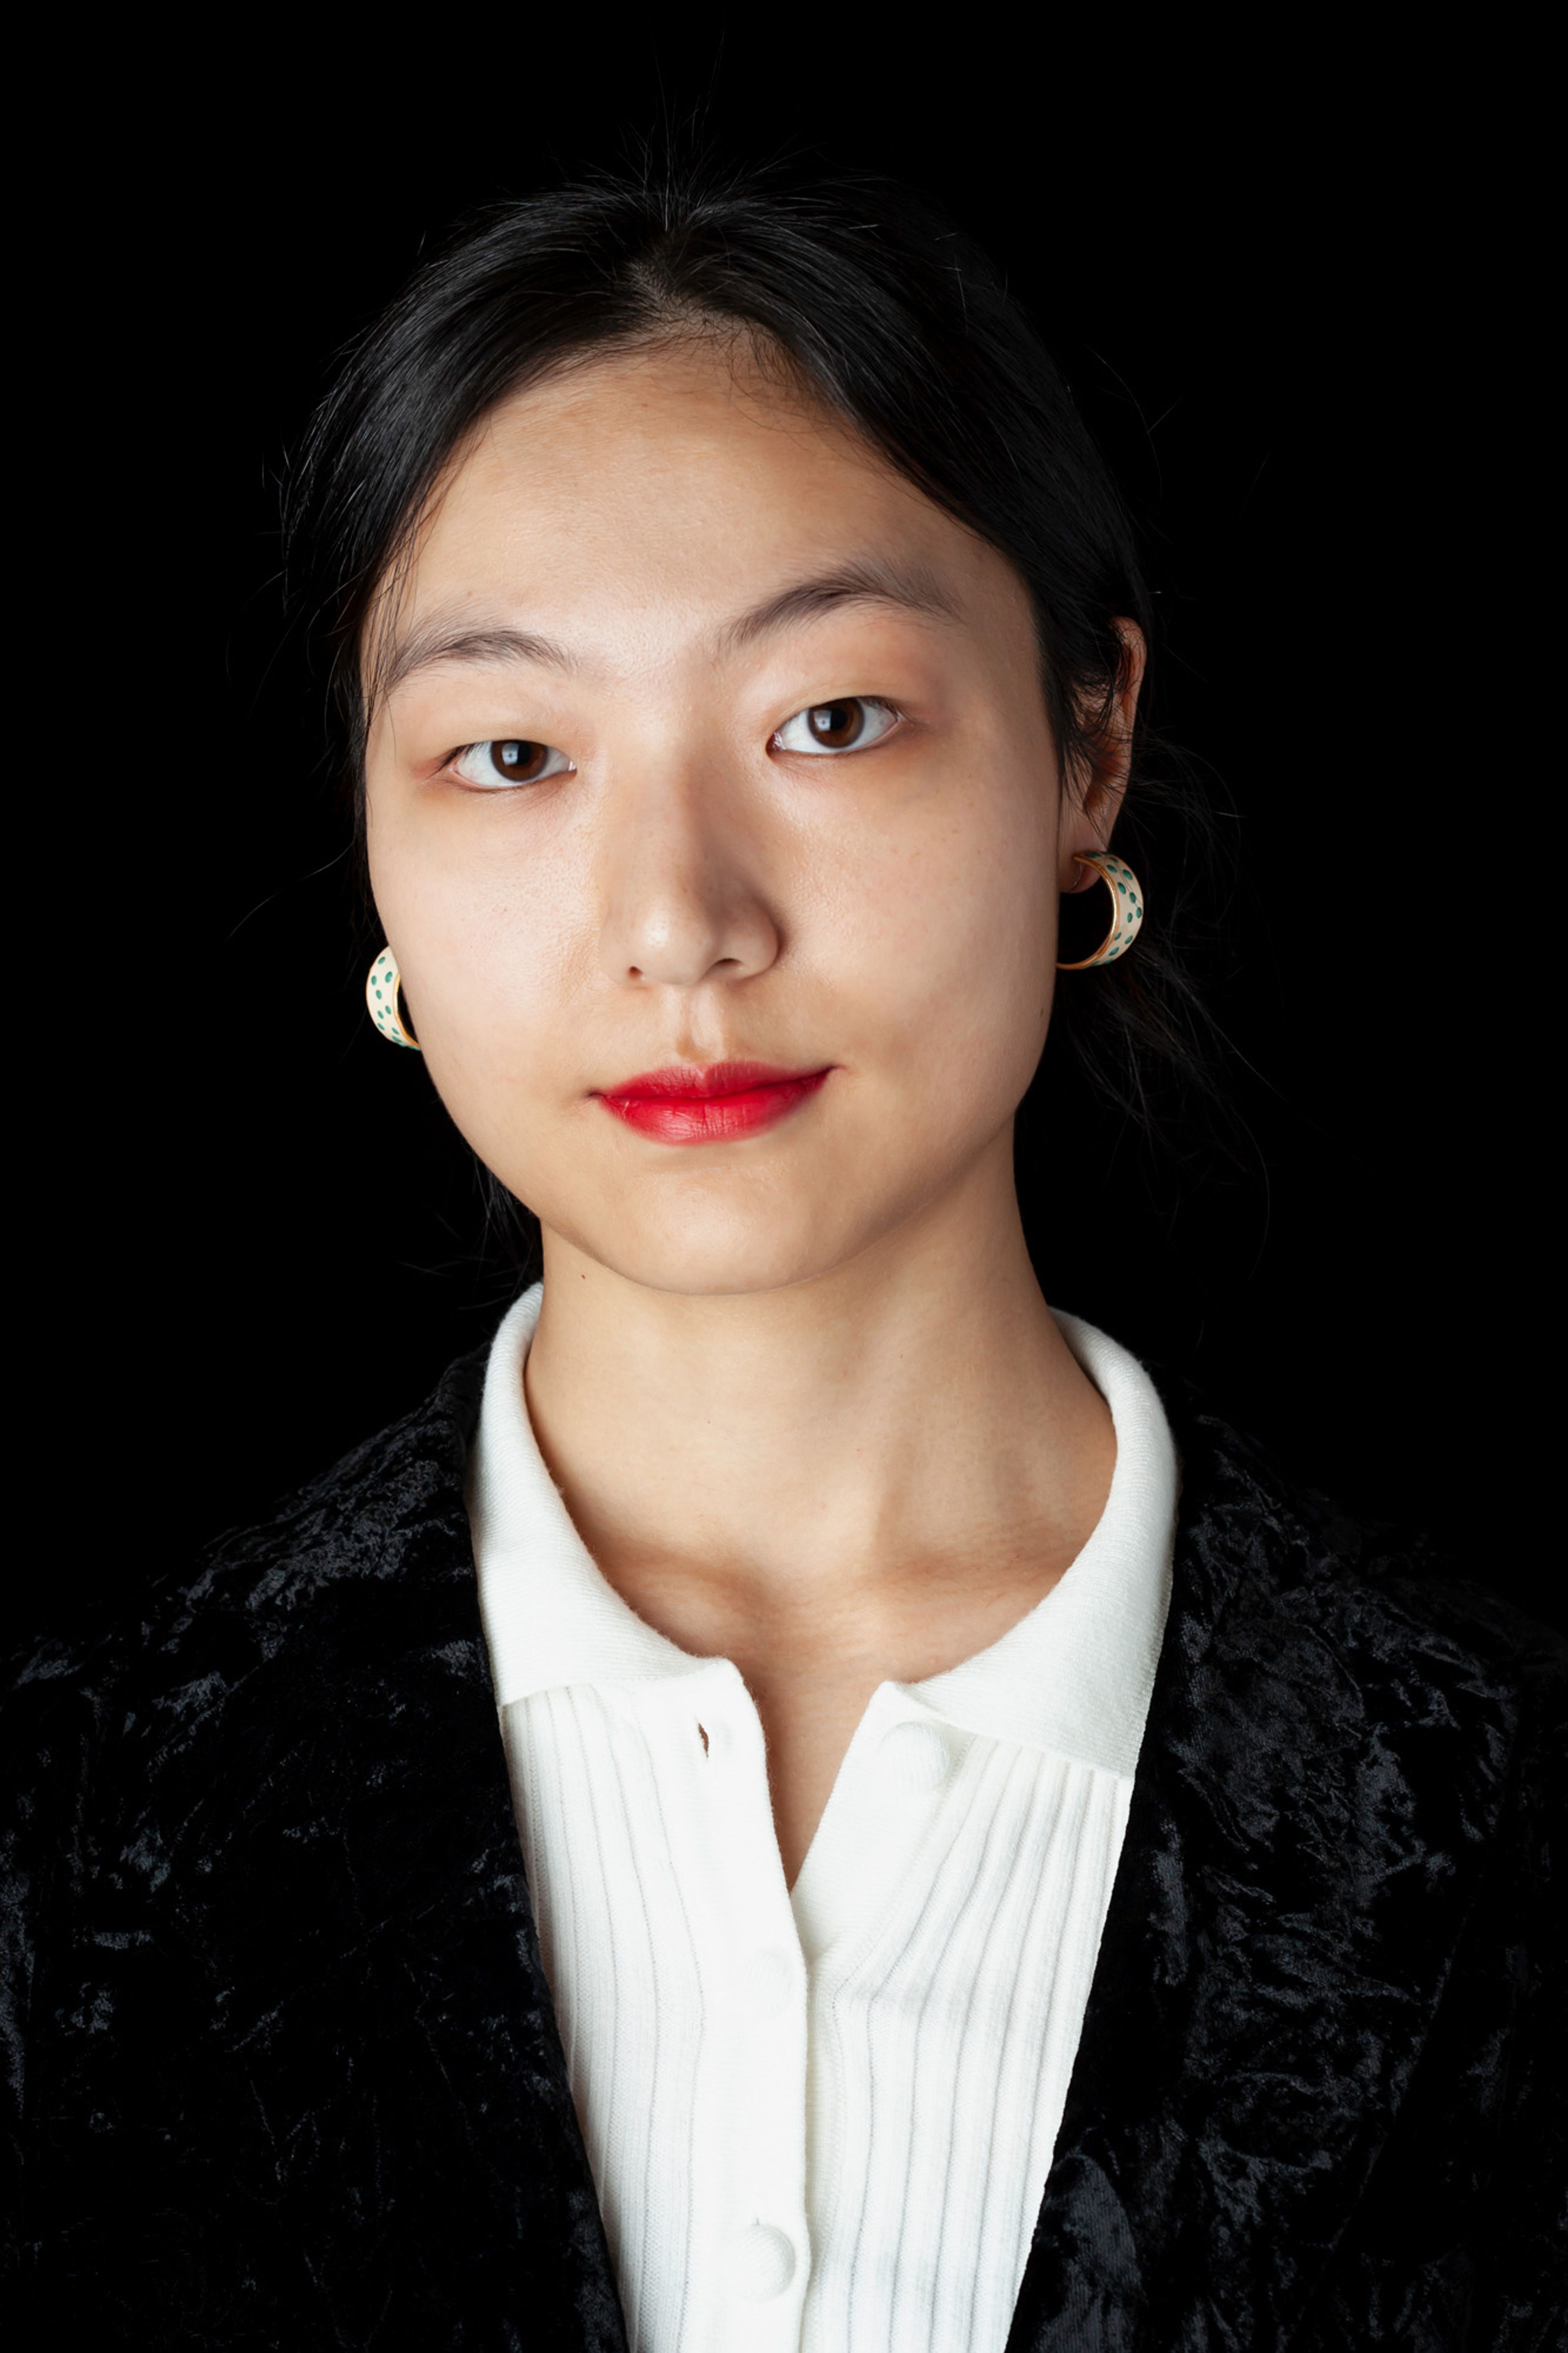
(1295, 290)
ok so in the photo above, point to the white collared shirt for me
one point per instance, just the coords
(819, 2119)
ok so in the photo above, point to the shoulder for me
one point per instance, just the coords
(297, 1616)
(237, 1827)
(364, 1520)
(1329, 1633)
(1265, 1543)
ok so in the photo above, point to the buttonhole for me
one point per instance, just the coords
(703, 1736)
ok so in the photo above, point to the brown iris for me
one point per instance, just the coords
(518, 763)
(836, 724)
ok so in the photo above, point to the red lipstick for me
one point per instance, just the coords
(713, 1103)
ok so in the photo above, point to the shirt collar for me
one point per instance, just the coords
(1073, 1677)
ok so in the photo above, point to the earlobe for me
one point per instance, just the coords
(1087, 826)
(1084, 880)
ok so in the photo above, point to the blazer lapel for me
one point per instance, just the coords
(523, 2241)
(1303, 1847)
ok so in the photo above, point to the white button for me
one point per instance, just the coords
(765, 1981)
(760, 2264)
(915, 1756)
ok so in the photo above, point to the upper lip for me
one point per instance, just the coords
(699, 1082)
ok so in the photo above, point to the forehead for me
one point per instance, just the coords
(687, 474)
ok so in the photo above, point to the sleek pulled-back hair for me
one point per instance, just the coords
(898, 323)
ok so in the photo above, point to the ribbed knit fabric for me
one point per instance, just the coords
(821, 2119)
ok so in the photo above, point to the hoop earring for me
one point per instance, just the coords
(1126, 908)
(381, 986)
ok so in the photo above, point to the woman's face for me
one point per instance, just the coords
(705, 739)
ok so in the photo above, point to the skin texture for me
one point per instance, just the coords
(800, 1390)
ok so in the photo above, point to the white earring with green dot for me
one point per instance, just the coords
(382, 984)
(1126, 907)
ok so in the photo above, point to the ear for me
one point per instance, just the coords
(1086, 820)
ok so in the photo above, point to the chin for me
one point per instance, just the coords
(719, 1269)
(714, 1249)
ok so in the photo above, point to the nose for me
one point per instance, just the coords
(684, 900)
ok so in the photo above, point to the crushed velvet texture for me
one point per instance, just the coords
(293, 2077)
(1321, 2101)
(282, 2060)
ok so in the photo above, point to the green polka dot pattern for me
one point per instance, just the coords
(380, 988)
(1126, 909)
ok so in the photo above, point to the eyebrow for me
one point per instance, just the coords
(868, 580)
(436, 642)
(864, 581)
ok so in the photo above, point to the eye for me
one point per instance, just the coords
(847, 725)
(509, 760)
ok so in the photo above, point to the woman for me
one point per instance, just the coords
(967, 1858)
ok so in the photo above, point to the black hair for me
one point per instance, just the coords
(898, 322)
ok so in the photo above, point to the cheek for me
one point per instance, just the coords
(489, 953)
(951, 939)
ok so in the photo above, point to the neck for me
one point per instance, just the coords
(912, 1409)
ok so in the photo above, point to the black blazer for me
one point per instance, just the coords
(287, 2072)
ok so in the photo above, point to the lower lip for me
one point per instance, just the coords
(713, 1119)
